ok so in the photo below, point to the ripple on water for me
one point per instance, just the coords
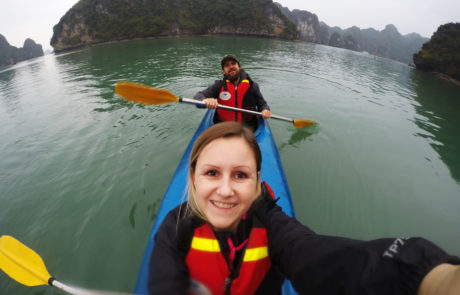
(81, 167)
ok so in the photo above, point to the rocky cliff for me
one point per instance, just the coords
(387, 43)
(97, 21)
(10, 55)
(442, 53)
(307, 24)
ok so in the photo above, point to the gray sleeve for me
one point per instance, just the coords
(211, 91)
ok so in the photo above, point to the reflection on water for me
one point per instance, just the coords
(152, 210)
(438, 114)
(8, 98)
(299, 135)
(132, 213)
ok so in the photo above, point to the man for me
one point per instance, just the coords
(236, 89)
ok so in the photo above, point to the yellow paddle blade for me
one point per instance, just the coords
(300, 123)
(21, 263)
(144, 94)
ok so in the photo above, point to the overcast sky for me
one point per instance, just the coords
(409, 16)
(21, 19)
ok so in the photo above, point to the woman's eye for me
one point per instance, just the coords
(211, 173)
(241, 175)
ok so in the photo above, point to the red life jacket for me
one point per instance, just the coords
(208, 266)
(231, 95)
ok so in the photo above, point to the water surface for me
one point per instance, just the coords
(82, 172)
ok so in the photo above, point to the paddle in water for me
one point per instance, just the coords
(26, 267)
(149, 95)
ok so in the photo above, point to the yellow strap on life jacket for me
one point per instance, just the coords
(255, 254)
(244, 81)
(203, 244)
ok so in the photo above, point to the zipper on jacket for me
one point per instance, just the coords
(228, 284)
(236, 102)
(233, 268)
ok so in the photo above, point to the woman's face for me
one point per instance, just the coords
(225, 181)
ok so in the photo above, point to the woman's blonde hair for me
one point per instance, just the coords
(220, 130)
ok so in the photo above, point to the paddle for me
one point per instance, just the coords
(26, 267)
(150, 95)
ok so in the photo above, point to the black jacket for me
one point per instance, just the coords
(253, 99)
(315, 264)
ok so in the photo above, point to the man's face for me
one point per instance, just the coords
(231, 70)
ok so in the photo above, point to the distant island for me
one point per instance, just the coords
(442, 53)
(92, 22)
(388, 43)
(10, 55)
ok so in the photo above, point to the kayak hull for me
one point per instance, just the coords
(271, 172)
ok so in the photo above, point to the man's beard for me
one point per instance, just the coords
(234, 77)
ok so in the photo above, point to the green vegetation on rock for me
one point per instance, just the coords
(96, 21)
(442, 53)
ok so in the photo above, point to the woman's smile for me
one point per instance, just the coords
(222, 205)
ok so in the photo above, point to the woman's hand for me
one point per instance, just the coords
(211, 103)
(443, 279)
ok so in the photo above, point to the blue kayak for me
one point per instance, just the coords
(271, 172)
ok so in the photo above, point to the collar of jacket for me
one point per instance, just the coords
(243, 75)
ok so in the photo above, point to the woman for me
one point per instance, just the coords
(231, 238)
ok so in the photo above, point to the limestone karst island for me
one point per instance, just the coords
(91, 22)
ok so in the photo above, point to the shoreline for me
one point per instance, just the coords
(80, 46)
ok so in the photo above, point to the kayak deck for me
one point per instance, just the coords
(271, 172)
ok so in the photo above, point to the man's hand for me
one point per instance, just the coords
(211, 103)
(266, 114)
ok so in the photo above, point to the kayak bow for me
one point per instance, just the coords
(271, 172)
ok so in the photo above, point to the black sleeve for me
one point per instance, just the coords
(211, 91)
(168, 272)
(318, 264)
(260, 101)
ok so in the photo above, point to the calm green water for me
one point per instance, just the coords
(82, 172)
